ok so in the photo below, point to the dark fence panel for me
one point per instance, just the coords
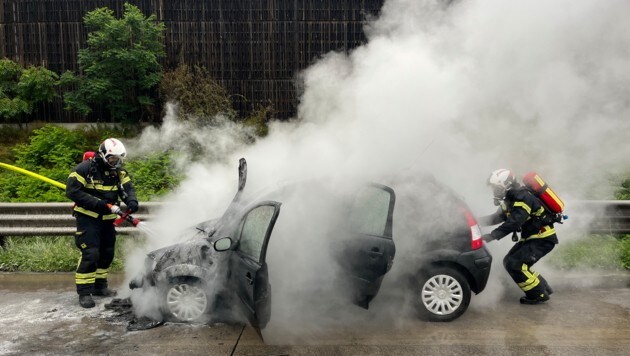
(253, 47)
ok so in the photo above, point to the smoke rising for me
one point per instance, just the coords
(456, 90)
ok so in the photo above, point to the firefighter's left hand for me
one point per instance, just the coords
(133, 206)
(487, 237)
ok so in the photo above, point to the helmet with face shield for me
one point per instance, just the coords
(501, 181)
(113, 152)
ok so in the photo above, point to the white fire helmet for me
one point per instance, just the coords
(113, 152)
(501, 181)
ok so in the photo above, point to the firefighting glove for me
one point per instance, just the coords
(132, 205)
(487, 237)
(102, 207)
(115, 209)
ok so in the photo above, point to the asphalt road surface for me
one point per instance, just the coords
(39, 314)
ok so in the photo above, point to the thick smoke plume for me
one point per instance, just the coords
(456, 90)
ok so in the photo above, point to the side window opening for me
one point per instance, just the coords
(253, 231)
(370, 212)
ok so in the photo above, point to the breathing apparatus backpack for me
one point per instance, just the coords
(550, 200)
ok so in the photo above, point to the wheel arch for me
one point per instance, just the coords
(182, 271)
(449, 258)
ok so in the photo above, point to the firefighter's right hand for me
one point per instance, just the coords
(115, 209)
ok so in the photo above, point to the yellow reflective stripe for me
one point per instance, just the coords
(86, 212)
(105, 188)
(94, 214)
(540, 211)
(524, 206)
(555, 198)
(547, 231)
(124, 178)
(532, 279)
(78, 177)
(85, 278)
(101, 273)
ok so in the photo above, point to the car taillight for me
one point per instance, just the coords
(475, 231)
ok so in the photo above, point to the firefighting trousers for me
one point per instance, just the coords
(521, 258)
(96, 239)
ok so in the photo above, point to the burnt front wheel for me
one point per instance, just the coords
(185, 300)
(441, 294)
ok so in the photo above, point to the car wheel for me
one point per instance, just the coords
(441, 294)
(186, 300)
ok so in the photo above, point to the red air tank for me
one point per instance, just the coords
(541, 190)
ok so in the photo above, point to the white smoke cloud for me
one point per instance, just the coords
(457, 90)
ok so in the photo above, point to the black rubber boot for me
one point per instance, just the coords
(105, 292)
(532, 299)
(86, 301)
(548, 289)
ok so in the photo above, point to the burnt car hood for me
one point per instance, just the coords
(197, 252)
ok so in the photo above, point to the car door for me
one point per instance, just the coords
(367, 251)
(249, 270)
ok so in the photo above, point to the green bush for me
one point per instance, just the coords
(200, 97)
(623, 193)
(53, 151)
(153, 176)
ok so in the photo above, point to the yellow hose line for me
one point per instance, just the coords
(34, 175)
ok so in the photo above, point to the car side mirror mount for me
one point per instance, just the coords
(223, 244)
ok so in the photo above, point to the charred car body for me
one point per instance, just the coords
(223, 274)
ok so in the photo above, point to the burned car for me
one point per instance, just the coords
(223, 275)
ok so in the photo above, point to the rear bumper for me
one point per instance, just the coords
(477, 263)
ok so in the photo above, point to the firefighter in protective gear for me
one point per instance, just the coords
(96, 185)
(520, 210)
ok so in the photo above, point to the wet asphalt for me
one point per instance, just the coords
(39, 314)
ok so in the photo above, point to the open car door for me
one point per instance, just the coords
(249, 269)
(367, 252)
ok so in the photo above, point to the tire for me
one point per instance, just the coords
(185, 300)
(441, 294)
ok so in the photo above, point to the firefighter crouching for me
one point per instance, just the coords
(521, 211)
(95, 185)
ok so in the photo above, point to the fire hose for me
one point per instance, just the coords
(123, 216)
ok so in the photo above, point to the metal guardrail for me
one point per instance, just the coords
(55, 219)
(605, 216)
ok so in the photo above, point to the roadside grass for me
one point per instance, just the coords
(604, 252)
(53, 254)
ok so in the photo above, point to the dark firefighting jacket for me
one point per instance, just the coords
(92, 186)
(522, 211)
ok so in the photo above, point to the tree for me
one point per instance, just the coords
(120, 67)
(22, 89)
